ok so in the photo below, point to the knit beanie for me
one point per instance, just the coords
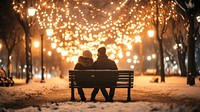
(102, 50)
(87, 54)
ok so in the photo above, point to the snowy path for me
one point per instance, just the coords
(173, 93)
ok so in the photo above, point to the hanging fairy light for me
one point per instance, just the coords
(49, 32)
(150, 33)
(76, 29)
(198, 19)
(31, 11)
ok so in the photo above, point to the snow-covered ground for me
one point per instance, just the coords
(104, 107)
(174, 87)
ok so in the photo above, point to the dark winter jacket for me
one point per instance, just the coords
(104, 63)
(83, 64)
(79, 66)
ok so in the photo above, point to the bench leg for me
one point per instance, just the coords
(129, 94)
(72, 94)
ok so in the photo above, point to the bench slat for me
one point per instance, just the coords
(89, 81)
(120, 86)
(117, 85)
(91, 86)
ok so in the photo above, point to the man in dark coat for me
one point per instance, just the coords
(103, 63)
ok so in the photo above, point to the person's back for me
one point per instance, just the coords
(104, 63)
(84, 62)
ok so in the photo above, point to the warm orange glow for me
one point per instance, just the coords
(49, 32)
(53, 45)
(151, 33)
(0, 45)
(112, 26)
(36, 44)
(138, 39)
(49, 53)
(198, 19)
(31, 11)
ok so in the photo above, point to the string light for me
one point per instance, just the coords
(79, 25)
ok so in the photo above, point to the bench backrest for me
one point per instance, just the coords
(101, 78)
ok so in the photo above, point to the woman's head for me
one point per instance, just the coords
(86, 58)
(87, 54)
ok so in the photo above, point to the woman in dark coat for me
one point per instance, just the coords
(84, 62)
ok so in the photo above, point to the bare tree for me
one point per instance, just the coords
(188, 9)
(178, 30)
(19, 60)
(160, 12)
(10, 32)
(21, 13)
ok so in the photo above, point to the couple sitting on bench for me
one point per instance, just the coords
(85, 62)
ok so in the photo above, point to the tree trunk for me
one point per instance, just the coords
(181, 51)
(8, 66)
(157, 63)
(181, 59)
(28, 56)
(191, 52)
(141, 59)
(161, 61)
(8, 61)
(160, 46)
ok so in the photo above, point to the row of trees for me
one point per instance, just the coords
(11, 32)
(182, 25)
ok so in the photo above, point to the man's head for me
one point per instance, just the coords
(102, 50)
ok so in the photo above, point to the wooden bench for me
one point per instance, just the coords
(4, 79)
(101, 79)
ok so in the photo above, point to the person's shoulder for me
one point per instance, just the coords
(78, 66)
(97, 61)
(111, 60)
